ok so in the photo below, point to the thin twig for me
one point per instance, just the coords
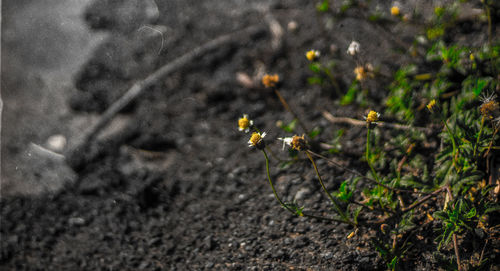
(139, 87)
(327, 115)
(289, 109)
(482, 252)
(422, 200)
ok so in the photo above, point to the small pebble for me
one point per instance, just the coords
(292, 26)
(76, 221)
(56, 143)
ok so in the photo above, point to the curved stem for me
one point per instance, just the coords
(272, 185)
(283, 204)
(335, 204)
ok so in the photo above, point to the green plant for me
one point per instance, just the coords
(433, 166)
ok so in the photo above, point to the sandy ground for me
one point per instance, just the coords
(43, 45)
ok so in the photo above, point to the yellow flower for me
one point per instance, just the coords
(395, 11)
(256, 140)
(312, 55)
(244, 123)
(431, 105)
(360, 73)
(270, 80)
(372, 117)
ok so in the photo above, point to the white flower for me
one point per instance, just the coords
(286, 140)
(354, 48)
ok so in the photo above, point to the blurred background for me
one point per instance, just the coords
(44, 43)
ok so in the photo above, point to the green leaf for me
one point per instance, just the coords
(315, 132)
(290, 127)
(323, 6)
(315, 80)
(351, 94)
(315, 67)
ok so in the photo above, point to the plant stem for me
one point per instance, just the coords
(283, 204)
(272, 185)
(289, 109)
(478, 136)
(491, 142)
(364, 176)
(452, 137)
(367, 154)
(422, 200)
(334, 82)
(455, 243)
(335, 204)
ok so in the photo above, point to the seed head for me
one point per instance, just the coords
(312, 55)
(270, 80)
(354, 48)
(489, 107)
(296, 142)
(256, 140)
(244, 123)
(299, 143)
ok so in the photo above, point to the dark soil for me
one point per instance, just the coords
(176, 187)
